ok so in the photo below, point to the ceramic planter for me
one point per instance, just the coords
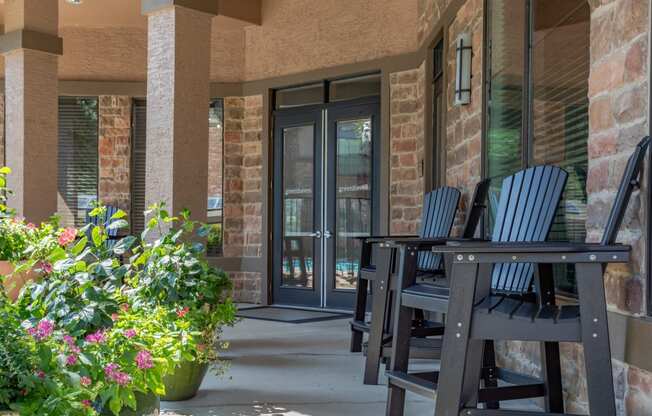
(8, 413)
(14, 283)
(184, 383)
(146, 405)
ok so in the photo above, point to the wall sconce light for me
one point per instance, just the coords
(464, 52)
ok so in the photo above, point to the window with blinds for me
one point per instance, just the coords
(138, 166)
(78, 158)
(537, 101)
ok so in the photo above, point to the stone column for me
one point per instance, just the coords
(177, 103)
(31, 47)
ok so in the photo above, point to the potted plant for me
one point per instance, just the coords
(171, 272)
(123, 352)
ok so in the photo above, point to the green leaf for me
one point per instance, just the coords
(79, 246)
(5, 170)
(98, 239)
(117, 225)
(118, 215)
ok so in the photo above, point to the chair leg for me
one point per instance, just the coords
(489, 370)
(402, 330)
(359, 313)
(462, 357)
(379, 303)
(361, 295)
(595, 339)
(550, 357)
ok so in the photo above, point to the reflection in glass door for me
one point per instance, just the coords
(324, 200)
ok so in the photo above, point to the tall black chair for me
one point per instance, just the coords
(525, 212)
(438, 216)
(479, 314)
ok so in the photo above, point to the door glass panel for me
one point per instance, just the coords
(353, 199)
(298, 207)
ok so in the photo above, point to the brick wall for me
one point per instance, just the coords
(464, 123)
(618, 117)
(243, 122)
(407, 144)
(115, 151)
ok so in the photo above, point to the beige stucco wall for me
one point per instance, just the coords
(301, 35)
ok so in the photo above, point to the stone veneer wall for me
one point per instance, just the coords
(243, 122)
(464, 123)
(115, 151)
(407, 144)
(429, 12)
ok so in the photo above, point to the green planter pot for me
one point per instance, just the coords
(184, 383)
(146, 405)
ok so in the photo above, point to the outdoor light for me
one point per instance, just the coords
(464, 53)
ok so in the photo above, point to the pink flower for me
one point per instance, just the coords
(31, 226)
(67, 236)
(113, 373)
(183, 312)
(87, 403)
(70, 341)
(71, 360)
(114, 317)
(96, 338)
(124, 307)
(144, 360)
(130, 333)
(43, 330)
(45, 267)
(40, 374)
(85, 381)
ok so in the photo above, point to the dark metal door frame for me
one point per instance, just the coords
(324, 117)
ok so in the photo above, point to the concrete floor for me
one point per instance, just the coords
(279, 369)
(291, 370)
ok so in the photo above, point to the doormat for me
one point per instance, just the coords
(289, 315)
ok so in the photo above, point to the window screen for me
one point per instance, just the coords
(138, 166)
(78, 155)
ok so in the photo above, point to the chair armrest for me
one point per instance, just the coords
(422, 244)
(535, 252)
(377, 239)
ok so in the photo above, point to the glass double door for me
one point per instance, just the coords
(325, 198)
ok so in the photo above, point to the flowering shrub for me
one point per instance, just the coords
(35, 375)
(170, 272)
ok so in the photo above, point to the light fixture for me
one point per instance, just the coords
(464, 52)
(74, 2)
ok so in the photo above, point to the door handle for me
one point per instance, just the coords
(316, 234)
(328, 234)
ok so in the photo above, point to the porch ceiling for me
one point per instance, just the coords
(127, 13)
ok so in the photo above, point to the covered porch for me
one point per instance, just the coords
(297, 127)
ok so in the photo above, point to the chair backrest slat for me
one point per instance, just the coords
(627, 185)
(526, 210)
(438, 216)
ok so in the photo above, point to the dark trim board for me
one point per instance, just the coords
(327, 315)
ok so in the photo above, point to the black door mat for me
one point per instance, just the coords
(289, 315)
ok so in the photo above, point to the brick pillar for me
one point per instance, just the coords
(115, 151)
(177, 91)
(30, 46)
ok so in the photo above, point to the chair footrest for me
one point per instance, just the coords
(420, 348)
(361, 326)
(414, 383)
(501, 412)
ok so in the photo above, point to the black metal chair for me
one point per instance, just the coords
(526, 209)
(478, 316)
(438, 216)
